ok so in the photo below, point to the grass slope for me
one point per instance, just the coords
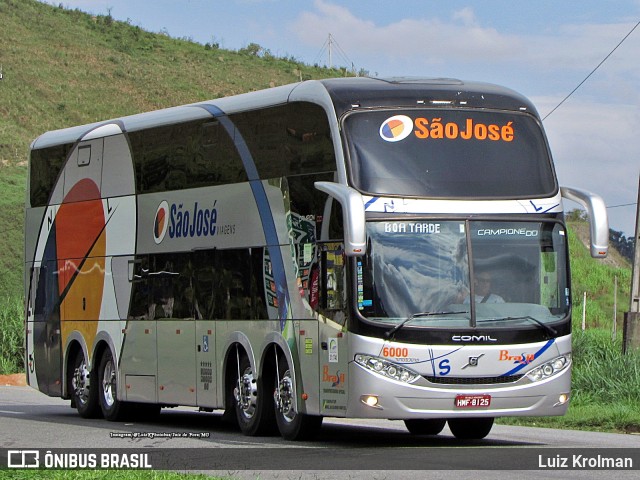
(597, 278)
(63, 67)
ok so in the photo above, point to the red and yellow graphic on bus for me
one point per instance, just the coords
(81, 246)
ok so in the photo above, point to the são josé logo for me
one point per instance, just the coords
(396, 128)
(182, 222)
(161, 222)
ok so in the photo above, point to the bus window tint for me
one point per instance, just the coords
(518, 270)
(292, 139)
(46, 165)
(211, 284)
(185, 155)
(449, 154)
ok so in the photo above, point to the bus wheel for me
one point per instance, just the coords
(431, 426)
(254, 411)
(470, 428)
(112, 408)
(83, 386)
(292, 425)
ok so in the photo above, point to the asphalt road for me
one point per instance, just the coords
(372, 449)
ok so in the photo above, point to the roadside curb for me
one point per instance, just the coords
(13, 380)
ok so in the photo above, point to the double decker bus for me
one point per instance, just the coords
(355, 247)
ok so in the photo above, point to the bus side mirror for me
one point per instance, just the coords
(599, 224)
(355, 236)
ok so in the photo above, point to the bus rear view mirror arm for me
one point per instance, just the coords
(598, 222)
(355, 238)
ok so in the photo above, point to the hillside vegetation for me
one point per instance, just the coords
(597, 277)
(63, 67)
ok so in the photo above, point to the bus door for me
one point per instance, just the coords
(333, 339)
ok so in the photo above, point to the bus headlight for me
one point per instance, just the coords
(550, 368)
(386, 368)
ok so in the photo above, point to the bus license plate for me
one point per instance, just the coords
(472, 401)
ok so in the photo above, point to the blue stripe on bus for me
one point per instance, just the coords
(371, 202)
(262, 202)
(536, 355)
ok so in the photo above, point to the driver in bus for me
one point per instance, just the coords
(482, 284)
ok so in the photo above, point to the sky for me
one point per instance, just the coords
(543, 49)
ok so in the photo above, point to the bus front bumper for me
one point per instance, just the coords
(373, 396)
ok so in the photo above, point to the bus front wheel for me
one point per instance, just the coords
(430, 426)
(292, 425)
(470, 428)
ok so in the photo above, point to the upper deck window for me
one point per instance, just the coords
(448, 154)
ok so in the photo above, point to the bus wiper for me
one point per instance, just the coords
(549, 329)
(413, 316)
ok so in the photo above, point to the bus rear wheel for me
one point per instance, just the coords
(430, 426)
(470, 428)
(112, 408)
(254, 408)
(291, 424)
(83, 387)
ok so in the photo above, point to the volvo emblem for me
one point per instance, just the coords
(473, 361)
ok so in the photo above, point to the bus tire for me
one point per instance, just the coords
(112, 408)
(291, 424)
(253, 405)
(470, 428)
(83, 388)
(420, 426)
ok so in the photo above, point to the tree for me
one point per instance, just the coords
(625, 246)
(253, 49)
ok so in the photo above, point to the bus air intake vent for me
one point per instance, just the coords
(473, 380)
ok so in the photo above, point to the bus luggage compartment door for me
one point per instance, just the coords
(176, 362)
(333, 372)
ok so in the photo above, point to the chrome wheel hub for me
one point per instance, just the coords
(283, 397)
(80, 383)
(246, 394)
(109, 384)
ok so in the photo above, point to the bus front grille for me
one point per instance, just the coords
(473, 380)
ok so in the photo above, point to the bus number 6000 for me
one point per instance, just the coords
(395, 352)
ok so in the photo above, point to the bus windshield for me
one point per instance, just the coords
(421, 270)
(448, 154)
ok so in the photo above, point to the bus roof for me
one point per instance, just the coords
(347, 93)
(336, 94)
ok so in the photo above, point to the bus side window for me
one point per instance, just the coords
(138, 275)
(238, 279)
(204, 292)
(291, 139)
(46, 165)
(191, 154)
(549, 294)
